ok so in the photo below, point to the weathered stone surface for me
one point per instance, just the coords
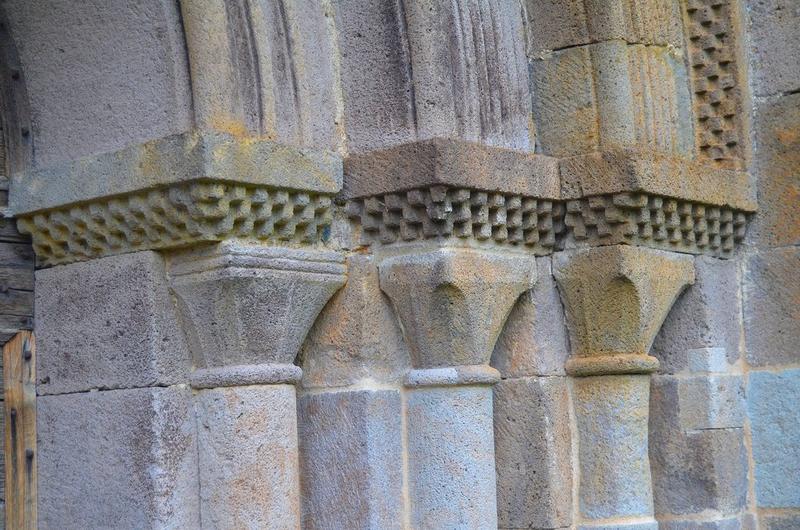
(248, 304)
(248, 459)
(694, 470)
(772, 32)
(711, 402)
(728, 523)
(101, 75)
(117, 459)
(534, 340)
(534, 453)
(620, 526)
(108, 323)
(707, 315)
(775, 425)
(453, 303)
(617, 297)
(775, 165)
(173, 160)
(453, 163)
(351, 459)
(789, 521)
(451, 457)
(357, 335)
(611, 413)
(771, 295)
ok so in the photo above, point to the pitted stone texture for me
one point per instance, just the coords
(108, 323)
(351, 459)
(790, 521)
(611, 413)
(357, 335)
(776, 160)
(772, 32)
(534, 340)
(771, 295)
(102, 74)
(533, 453)
(617, 297)
(117, 459)
(247, 304)
(706, 315)
(248, 457)
(711, 402)
(775, 425)
(693, 470)
(453, 303)
(451, 457)
(728, 523)
(621, 526)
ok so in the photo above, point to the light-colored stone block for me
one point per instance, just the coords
(107, 323)
(351, 459)
(711, 402)
(533, 453)
(122, 459)
(248, 460)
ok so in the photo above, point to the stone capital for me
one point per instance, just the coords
(453, 302)
(616, 299)
(246, 309)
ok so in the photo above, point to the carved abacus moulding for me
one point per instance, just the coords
(174, 216)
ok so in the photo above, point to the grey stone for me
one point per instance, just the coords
(707, 315)
(697, 470)
(771, 290)
(788, 521)
(117, 459)
(534, 339)
(533, 452)
(772, 33)
(728, 523)
(102, 74)
(776, 158)
(357, 335)
(708, 360)
(351, 459)
(775, 426)
(620, 526)
(611, 413)
(248, 457)
(451, 465)
(247, 304)
(711, 402)
(107, 323)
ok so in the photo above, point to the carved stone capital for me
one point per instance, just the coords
(453, 302)
(246, 309)
(616, 299)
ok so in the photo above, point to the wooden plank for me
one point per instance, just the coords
(14, 302)
(19, 379)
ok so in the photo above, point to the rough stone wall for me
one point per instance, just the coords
(411, 264)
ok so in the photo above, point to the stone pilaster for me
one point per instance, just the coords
(616, 299)
(452, 303)
(246, 311)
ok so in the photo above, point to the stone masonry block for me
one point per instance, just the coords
(107, 323)
(789, 521)
(771, 294)
(728, 523)
(351, 459)
(533, 453)
(773, 39)
(775, 425)
(247, 447)
(534, 340)
(707, 315)
(122, 459)
(711, 402)
(697, 470)
(776, 166)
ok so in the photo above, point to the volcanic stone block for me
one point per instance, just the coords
(728, 523)
(775, 426)
(247, 446)
(707, 315)
(615, 470)
(451, 457)
(101, 75)
(697, 470)
(533, 453)
(351, 459)
(789, 521)
(107, 323)
(118, 459)
(534, 340)
(776, 160)
(711, 402)
(772, 34)
(771, 292)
